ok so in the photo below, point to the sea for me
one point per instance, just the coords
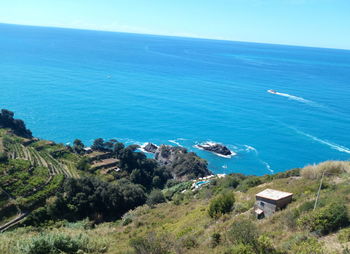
(67, 84)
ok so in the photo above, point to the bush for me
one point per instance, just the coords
(215, 239)
(221, 204)
(189, 242)
(326, 219)
(309, 246)
(58, 243)
(243, 232)
(127, 221)
(344, 235)
(155, 197)
(241, 249)
(83, 164)
(249, 183)
(151, 244)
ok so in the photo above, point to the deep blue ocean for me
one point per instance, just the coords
(69, 84)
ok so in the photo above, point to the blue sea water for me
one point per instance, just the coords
(69, 84)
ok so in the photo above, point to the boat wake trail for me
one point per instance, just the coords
(330, 144)
(300, 99)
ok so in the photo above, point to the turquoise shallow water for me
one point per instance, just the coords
(69, 84)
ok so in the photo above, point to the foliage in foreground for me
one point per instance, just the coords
(326, 219)
(59, 243)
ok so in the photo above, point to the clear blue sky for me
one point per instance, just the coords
(320, 23)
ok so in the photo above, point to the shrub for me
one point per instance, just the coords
(291, 217)
(344, 235)
(58, 243)
(83, 164)
(215, 240)
(151, 244)
(249, 183)
(264, 245)
(127, 221)
(306, 206)
(241, 249)
(221, 204)
(243, 232)
(189, 242)
(326, 219)
(155, 197)
(309, 246)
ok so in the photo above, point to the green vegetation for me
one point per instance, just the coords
(221, 204)
(326, 219)
(56, 200)
(185, 226)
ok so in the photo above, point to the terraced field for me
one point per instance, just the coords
(42, 158)
(30, 176)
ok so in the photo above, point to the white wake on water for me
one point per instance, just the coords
(268, 167)
(330, 144)
(250, 148)
(175, 141)
(299, 99)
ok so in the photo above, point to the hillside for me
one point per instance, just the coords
(182, 225)
(113, 199)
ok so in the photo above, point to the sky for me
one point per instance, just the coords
(318, 23)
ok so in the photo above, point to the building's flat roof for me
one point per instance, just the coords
(273, 194)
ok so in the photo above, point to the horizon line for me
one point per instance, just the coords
(178, 36)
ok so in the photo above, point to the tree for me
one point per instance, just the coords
(96, 199)
(98, 144)
(3, 157)
(118, 147)
(83, 164)
(78, 146)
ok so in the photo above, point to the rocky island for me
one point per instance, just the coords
(216, 148)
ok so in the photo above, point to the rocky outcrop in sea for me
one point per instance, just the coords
(216, 148)
(150, 148)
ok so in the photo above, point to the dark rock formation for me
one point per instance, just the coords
(216, 148)
(166, 154)
(16, 125)
(150, 148)
(183, 165)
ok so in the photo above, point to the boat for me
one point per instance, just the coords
(272, 91)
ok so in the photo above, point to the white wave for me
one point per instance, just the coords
(174, 141)
(332, 145)
(250, 148)
(142, 147)
(268, 167)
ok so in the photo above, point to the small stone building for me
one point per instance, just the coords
(269, 201)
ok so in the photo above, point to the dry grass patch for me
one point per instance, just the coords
(329, 168)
